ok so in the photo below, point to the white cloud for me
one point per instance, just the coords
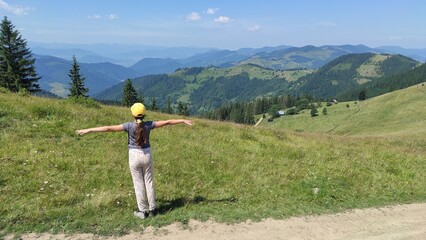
(327, 24)
(98, 17)
(17, 10)
(223, 20)
(211, 11)
(192, 17)
(112, 17)
(254, 28)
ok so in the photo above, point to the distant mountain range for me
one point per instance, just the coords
(121, 54)
(99, 76)
(101, 72)
(205, 88)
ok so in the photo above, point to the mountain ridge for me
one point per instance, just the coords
(279, 58)
(205, 88)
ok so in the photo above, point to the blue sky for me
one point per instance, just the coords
(221, 24)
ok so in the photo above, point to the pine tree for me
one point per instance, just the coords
(180, 108)
(169, 108)
(17, 69)
(129, 94)
(362, 95)
(141, 99)
(314, 112)
(154, 106)
(77, 81)
(183, 109)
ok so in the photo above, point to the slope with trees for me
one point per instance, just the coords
(350, 71)
(388, 84)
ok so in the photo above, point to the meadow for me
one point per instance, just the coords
(52, 180)
(395, 114)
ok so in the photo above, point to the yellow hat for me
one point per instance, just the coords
(138, 110)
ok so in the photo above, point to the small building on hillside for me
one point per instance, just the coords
(281, 113)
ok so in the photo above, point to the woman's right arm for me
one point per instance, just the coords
(115, 128)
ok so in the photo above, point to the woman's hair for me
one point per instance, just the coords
(140, 131)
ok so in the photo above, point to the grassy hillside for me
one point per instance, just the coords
(399, 113)
(55, 181)
(350, 71)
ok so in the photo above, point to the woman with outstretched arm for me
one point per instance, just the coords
(140, 158)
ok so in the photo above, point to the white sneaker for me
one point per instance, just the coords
(141, 215)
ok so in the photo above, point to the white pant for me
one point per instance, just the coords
(142, 170)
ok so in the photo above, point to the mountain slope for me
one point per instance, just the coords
(149, 66)
(99, 76)
(205, 88)
(386, 84)
(350, 71)
(208, 87)
(305, 57)
(396, 114)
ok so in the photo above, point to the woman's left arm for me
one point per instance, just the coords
(159, 124)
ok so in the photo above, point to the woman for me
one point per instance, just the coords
(140, 159)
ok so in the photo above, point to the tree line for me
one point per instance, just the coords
(130, 96)
(244, 112)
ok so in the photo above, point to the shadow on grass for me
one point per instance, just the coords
(2, 182)
(166, 206)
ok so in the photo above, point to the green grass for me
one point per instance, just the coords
(398, 114)
(52, 180)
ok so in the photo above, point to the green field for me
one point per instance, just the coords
(398, 114)
(52, 180)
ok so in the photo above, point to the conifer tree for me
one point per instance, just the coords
(17, 69)
(129, 94)
(183, 109)
(169, 108)
(141, 99)
(362, 95)
(154, 106)
(314, 112)
(77, 81)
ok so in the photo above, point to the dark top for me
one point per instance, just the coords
(130, 128)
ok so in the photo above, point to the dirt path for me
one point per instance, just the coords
(389, 223)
